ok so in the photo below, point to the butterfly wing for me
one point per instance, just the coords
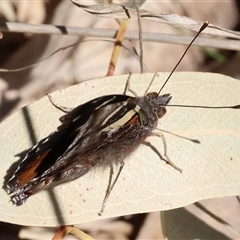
(97, 133)
(80, 130)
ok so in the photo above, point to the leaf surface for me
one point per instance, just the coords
(210, 169)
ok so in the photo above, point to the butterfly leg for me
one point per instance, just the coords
(110, 186)
(62, 108)
(128, 88)
(166, 158)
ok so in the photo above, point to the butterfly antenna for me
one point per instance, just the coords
(200, 30)
(211, 107)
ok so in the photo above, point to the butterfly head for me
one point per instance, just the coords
(158, 102)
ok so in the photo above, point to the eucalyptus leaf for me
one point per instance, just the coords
(210, 169)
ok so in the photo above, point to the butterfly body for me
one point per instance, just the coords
(100, 132)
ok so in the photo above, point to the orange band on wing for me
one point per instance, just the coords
(30, 171)
(133, 120)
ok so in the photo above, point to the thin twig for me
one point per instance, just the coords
(140, 35)
(106, 33)
(117, 46)
(132, 52)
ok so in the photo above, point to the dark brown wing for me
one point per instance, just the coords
(79, 130)
(109, 146)
(99, 132)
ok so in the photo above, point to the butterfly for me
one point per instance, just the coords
(90, 135)
(98, 133)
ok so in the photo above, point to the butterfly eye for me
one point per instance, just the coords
(151, 95)
(161, 112)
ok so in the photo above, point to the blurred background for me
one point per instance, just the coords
(90, 59)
